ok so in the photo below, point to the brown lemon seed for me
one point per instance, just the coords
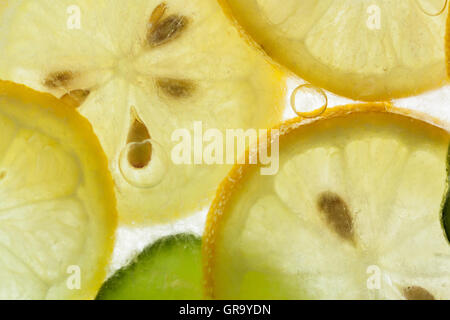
(176, 88)
(166, 30)
(58, 79)
(157, 14)
(417, 293)
(75, 97)
(140, 151)
(337, 214)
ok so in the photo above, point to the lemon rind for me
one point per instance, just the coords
(216, 214)
(83, 129)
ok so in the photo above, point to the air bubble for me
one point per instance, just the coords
(432, 8)
(150, 175)
(308, 101)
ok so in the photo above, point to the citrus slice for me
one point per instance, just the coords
(368, 50)
(57, 207)
(170, 269)
(447, 46)
(354, 212)
(140, 72)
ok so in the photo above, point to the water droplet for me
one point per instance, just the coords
(308, 101)
(151, 174)
(432, 7)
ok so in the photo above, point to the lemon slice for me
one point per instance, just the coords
(169, 269)
(140, 71)
(447, 46)
(368, 50)
(57, 211)
(354, 212)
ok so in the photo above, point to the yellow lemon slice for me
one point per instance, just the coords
(140, 71)
(447, 45)
(368, 50)
(354, 212)
(57, 208)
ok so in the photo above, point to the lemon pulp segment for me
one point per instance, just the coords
(139, 70)
(354, 212)
(57, 208)
(365, 50)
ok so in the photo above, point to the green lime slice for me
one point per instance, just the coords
(446, 207)
(170, 269)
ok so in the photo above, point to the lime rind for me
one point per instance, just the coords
(446, 206)
(168, 269)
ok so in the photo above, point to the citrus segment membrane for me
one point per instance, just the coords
(364, 50)
(148, 66)
(167, 269)
(57, 207)
(355, 212)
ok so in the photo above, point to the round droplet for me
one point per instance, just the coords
(432, 7)
(149, 175)
(308, 101)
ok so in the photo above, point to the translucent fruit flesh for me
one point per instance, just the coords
(159, 65)
(365, 50)
(57, 204)
(355, 212)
